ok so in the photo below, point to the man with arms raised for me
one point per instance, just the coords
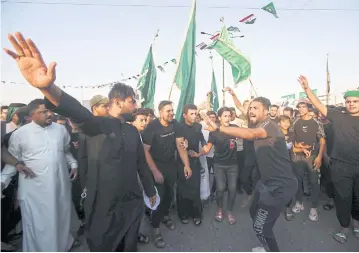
(114, 200)
(277, 184)
(344, 156)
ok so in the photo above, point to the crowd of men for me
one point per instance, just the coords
(56, 153)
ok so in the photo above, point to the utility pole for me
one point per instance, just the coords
(223, 82)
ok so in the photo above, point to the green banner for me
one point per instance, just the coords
(303, 95)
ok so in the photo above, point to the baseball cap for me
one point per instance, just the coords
(98, 99)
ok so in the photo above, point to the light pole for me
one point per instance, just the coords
(223, 74)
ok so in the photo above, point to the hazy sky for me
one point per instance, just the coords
(95, 44)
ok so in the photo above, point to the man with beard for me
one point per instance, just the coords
(161, 138)
(344, 156)
(45, 200)
(273, 113)
(114, 201)
(278, 183)
(188, 189)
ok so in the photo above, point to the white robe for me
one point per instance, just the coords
(45, 200)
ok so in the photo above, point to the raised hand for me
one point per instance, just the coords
(303, 82)
(229, 90)
(30, 62)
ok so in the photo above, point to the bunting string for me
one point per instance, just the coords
(134, 77)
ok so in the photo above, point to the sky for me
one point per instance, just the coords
(93, 45)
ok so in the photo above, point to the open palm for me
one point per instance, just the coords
(30, 62)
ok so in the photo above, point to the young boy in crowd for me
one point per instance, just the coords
(284, 124)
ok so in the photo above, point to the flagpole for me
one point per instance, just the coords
(328, 81)
(252, 88)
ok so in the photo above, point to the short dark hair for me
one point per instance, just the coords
(163, 104)
(289, 109)
(188, 107)
(121, 91)
(276, 106)
(34, 104)
(283, 118)
(264, 101)
(222, 110)
(4, 107)
(59, 117)
(211, 113)
(232, 109)
(149, 111)
(140, 111)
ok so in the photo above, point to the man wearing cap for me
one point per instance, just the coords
(345, 158)
(99, 105)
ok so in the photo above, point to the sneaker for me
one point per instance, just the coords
(258, 249)
(313, 214)
(298, 208)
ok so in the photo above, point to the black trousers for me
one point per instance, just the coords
(130, 240)
(345, 177)
(326, 178)
(210, 166)
(76, 198)
(240, 162)
(301, 164)
(249, 177)
(268, 203)
(165, 191)
(189, 202)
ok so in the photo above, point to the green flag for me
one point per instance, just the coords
(214, 94)
(271, 9)
(185, 77)
(147, 82)
(241, 67)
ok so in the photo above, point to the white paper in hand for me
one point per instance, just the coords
(147, 200)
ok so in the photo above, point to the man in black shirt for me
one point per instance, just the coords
(116, 202)
(273, 113)
(278, 183)
(225, 165)
(307, 155)
(344, 156)
(161, 138)
(188, 190)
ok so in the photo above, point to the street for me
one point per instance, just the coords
(298, 235)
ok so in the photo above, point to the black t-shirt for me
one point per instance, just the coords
(193, 134)
(225, 148)
(272, 156)
(345, 136)
(162, 140)
(328, 129)
(309, 132)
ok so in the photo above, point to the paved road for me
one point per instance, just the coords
(298, 235)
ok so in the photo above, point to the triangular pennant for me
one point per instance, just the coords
(161, 68)
(271, 9)
(233, 29)
(174, 61)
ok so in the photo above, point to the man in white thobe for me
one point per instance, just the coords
(45, 200)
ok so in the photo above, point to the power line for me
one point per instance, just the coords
(169, 6)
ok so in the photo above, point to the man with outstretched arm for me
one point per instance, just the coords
(114, 199)
(277, 184)
(344, 156)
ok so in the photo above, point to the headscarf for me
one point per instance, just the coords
(12, 110)
(351, 93)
